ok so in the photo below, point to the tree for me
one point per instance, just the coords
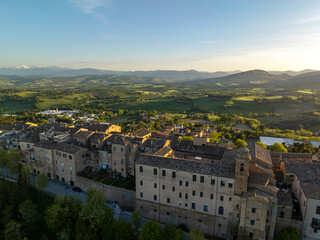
(170, 232)
(62, 215)
(122, 230)
(4, 159)
(13, 231)
(289, 233)
(95, 218)
(24, 175)
(29, 214)
(195, 235)
(14, 161)
(41, 182)
(136, 221)
(261, 144)
(151, 231)
(278, 147)
(215, 137)
(240, 143)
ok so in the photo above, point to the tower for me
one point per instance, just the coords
(243, 158)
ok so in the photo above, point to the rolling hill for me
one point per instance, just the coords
(249, 79)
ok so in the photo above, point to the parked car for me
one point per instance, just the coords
(76, 189)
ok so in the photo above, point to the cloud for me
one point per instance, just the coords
(310, 19)
(208, 42)
(92, 7)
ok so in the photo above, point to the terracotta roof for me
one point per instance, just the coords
(308, 175)
(141, 132)
(83, 134)
(260, 153)
(98, 137)
(163, 151)
(214, 169)
(67, 148)
(154, 142)
(119, 139)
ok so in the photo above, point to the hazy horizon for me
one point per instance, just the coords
(143, 35)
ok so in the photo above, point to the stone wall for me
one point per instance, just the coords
(123, 197)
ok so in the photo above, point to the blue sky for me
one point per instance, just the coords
(206, 35)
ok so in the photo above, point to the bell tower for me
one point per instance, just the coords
(243, 158)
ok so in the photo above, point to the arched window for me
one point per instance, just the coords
(281, 214)
(220, 210)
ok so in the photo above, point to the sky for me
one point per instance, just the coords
(205, 35)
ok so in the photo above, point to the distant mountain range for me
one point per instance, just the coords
(25, 77)
(65, 72)
(260, 78)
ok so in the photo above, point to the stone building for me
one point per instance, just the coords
(303, 179)
(211, 188)
(69, 160)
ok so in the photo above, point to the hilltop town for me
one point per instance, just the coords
(217, 188)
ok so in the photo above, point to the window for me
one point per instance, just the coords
(186, 196)
(205, 208)
(70, 157)
(213, 181)
(238, 215)
(193, 205)
(221, 198)
(230, 199)
(173, 189)
(70, 168)
(194, 178)
(281, 214)
(251, 235)
(180, 194)
(180, 183)
(211, 196)
(155, 185)
(141, 183)
(220, 210)
(193, 193)
(155, 171)
(62, 164)
(230, 185)
(141, 194)
(223, 183)
(114, 149)
(253, 210)
(252, 222)
(187, 183)
(163, 173)
(141, 169)
(202, 179)
(318, 210)
(168, 200)
(241, 167)
(64, 155)
(173, 174)
(186, 204)
(121, 161)
(163, 187)
(121, 149)
(155, 197)
(201, 194)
